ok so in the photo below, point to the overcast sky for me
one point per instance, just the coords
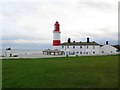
(29, 24)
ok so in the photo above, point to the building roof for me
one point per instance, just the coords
(49, 50)
(80, 43)
(116, 46)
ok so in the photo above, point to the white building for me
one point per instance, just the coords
(108, 49)
(86, 48)
(80, 48)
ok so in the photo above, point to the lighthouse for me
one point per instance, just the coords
(56, 35)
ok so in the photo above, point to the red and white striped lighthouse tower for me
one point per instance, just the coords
(56, 34)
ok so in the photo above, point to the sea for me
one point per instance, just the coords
(25, 53)
(21, 51)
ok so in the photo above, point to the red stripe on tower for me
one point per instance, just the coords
(56, 42)
(56, 34)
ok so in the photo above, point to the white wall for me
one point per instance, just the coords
(81, 51)
(107, 49)
(7, 53)
(56, 35)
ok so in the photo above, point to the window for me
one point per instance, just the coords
(62, 46)
(80, 46)
(111, 51)
(54, 27)
(102, 51)
(86, 52)
(69, 53)
(93, 52)
(80, 52)
(73, 53)
(67, 46)
(117, 50)
(73, 46)
(87, 47)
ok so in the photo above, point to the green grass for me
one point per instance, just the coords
(0, 73)
(66, 72)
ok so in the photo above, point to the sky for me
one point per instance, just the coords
(29, 24)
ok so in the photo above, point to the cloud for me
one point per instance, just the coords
(96, 5)
(25, 39)
(32, 22)
(25, 46)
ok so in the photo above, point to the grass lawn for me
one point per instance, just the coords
(65, 72)
(0, 74)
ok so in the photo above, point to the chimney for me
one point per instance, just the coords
(88, 40)
(106, 42)
(73, 41)
(69, 40)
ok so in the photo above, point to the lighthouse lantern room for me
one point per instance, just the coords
(56, 34)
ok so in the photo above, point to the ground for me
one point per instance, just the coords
(64, 72)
